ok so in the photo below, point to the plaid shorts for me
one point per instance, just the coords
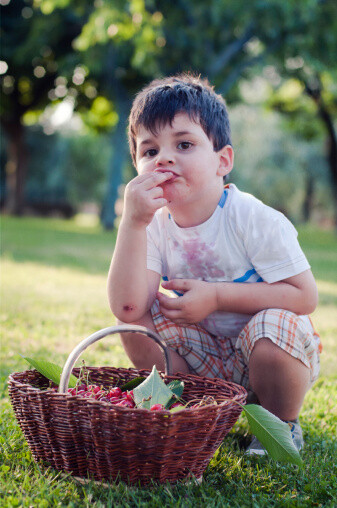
(208, 355)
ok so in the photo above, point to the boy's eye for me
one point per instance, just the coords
(184, 145)
(151, 152)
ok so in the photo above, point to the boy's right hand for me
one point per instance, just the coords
(143, 197)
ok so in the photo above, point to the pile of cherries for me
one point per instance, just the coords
(114, 395)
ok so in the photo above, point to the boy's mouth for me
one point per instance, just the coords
(174, 175)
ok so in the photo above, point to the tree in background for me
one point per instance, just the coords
(97, 57)
(34, 49)
(273, 163)
(225, 41)
(235, 41)
(308, 102)
(124, 44)
(120, 46)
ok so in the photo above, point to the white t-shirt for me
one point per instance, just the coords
(243, 241)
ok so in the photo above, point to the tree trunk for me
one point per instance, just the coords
(16, 167)
(117, 162)
(315, 94)
(331, 155)
(308, 198)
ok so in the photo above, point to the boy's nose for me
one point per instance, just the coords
(164, 158)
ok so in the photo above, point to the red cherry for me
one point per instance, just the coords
(115, 400)
(125, 403)
(115, 392)
(129, 396)
(157, 407)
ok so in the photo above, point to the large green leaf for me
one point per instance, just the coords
(50, 371)
(177, 388)
(152, 391)
(272, 433)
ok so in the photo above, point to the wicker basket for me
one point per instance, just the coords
(93, 439)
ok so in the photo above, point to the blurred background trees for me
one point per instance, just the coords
(70, 70)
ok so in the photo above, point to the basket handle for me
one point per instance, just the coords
(75, 354)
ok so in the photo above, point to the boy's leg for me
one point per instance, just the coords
(279, 380)
(278, 360)
(144, 352)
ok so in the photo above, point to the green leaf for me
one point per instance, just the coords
(273, 434)
(152, 391)
(177, 388)
(177, 409)
(130, 385)
(50, 371)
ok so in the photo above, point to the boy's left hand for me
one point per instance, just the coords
(198, 301)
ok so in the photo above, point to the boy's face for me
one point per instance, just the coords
(185, 150)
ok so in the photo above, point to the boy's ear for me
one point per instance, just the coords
(226, 160)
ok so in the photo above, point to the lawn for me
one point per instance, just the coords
(54, 294)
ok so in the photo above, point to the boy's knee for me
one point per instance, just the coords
(266, 351)
(272, 357)
(141, 350)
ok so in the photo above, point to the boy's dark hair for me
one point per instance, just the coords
(159, 102)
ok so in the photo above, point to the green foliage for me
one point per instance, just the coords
(86, 167)
(34, 47)
(50, 371)
(298, 109)
(101, 116)
(79, 168)
(274, 166)
(127, 42)
(177, 387)
(110, 49)
(132, 383)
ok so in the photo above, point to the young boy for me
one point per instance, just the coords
(243, 286)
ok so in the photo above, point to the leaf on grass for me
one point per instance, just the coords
(177, 387)
(152, 391)
(273, 434)
(130, 385)
(50, 371)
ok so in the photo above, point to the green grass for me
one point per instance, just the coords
(54, 294)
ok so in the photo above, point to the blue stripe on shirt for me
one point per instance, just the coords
(223, 199)
(246, 276)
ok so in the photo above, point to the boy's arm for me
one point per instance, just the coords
(131, 286)
(297, 294)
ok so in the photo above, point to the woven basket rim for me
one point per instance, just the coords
(191, 377)
(236, 399)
